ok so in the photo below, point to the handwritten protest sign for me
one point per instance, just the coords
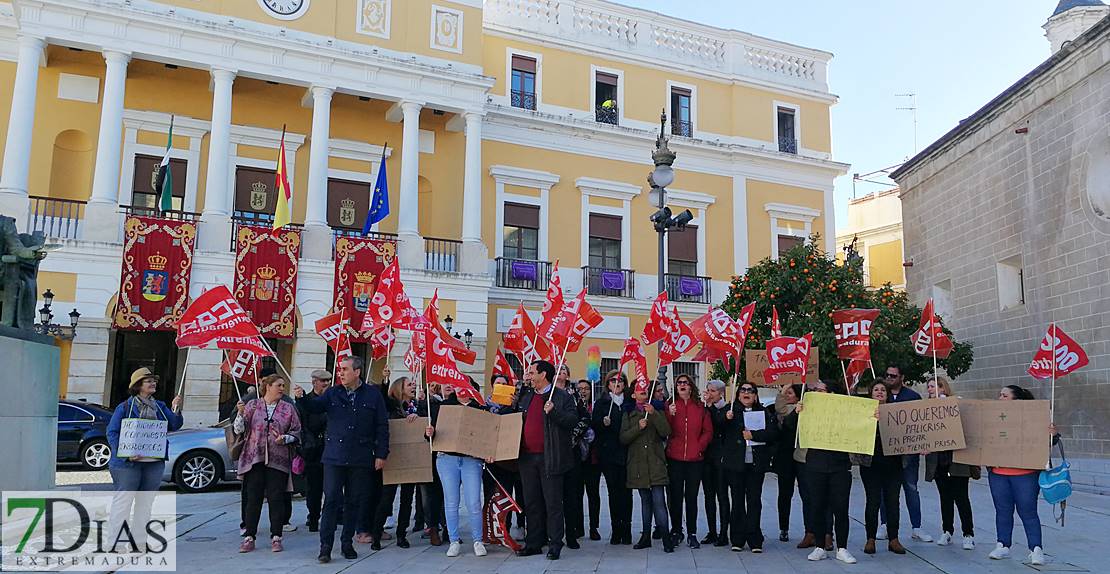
(1005, 433)
(917, 427)
(837, 422)
(410, 459)
(755, 362)
(142, 437)
(478, 433)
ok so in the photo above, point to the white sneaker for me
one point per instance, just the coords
(289, 528)
(945, 539)
(969, 543)
(921, 535)
(390, 522)
(454, 549)
(880, 534)
(1036, 557)
(1000, 552)
(817, 554)
(479, 548)
(844, 556)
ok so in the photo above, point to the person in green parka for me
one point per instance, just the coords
(644, 430)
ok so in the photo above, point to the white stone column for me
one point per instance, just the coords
(410, 245)
(102, 219)
(215, 220)
(474, 254)
(21, 126)
(317, 234)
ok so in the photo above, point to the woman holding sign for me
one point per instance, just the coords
(130, 470)
(951, 479)
(271, 426)
(400, 403)
(749, 430)
(882, 483)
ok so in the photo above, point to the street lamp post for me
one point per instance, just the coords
(662, 220)
(46, 315)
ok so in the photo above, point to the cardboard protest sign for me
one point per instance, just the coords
(410, 459)
(142, 437)
(837, 422)
(478, 433)
(755, 362)
(1005, 433)
(917, 427)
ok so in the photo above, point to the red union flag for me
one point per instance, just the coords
(679, 339)
(252, 344)
(443, 370)
(854, 373)
(333, 330)
(414, 357)
(576, 321)
(852, 330)
(382, 342)
(776, 329)
(552, 306)
(716, 329)
(501, 366)
(523, 340)
(634, 353)
(744, 325)
(496, 519)
(656, 327)
(240, 365)
(709, 354)
(929, 339)
(1058, 348)
(787, 355)
(214, 314)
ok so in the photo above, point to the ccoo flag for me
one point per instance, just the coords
(379, 198)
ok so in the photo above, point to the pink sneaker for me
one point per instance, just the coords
(247, 545)
(275, 545)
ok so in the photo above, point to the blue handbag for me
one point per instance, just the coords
(1055, 483)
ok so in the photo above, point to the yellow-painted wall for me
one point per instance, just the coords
(65, 348)
(884, 262)
(760, 193)
(62, 285)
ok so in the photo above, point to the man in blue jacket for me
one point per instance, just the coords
(911, 463)
(356, 445)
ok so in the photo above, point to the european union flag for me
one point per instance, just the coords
(379, 199)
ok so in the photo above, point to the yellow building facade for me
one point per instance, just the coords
(874, 229)
(517, 133)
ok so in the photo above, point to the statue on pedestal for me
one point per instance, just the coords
(20, 254)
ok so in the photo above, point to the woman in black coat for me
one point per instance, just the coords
(746, 457)
(609, 412)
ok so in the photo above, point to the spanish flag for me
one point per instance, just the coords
(283, 213)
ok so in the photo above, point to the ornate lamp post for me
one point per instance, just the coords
(663, 220)
(45, 327)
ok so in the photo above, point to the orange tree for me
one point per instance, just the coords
(807, 285)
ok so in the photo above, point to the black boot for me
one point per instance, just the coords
(710, 538)
(668, 542)
(615, 539)
(657, 534)
(626, 534)
(645, 541)
(722, 539)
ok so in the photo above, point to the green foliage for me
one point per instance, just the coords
(806, 285)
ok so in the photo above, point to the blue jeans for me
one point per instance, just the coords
(1020, 492)
(464, 471)
(135, 485)
(910, 471)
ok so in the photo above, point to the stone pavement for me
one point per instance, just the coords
(208, 541)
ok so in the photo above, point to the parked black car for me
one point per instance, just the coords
(82, 434)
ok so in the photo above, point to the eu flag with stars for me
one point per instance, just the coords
(379, 199)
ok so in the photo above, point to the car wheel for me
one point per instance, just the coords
(197, 471)
(96, 454)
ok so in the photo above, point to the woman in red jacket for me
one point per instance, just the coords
(691, 433)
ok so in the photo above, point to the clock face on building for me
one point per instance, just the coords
(284, 9)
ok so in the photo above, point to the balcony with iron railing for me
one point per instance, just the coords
(442, 254)
(523, 100)
(172, 214)
(607, 115)
(523, 273)
(788, 145)
(337, 232)
(54, 217)
(684, 128)
(688, 288)
(264, 220)
(609, 282)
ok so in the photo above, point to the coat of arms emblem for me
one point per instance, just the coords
(264, 284)
(259, 198)
(156, 280)
(347, 212)
(362, 291)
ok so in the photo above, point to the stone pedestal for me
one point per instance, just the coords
(29, 411)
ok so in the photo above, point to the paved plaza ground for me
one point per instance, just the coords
(209, 538)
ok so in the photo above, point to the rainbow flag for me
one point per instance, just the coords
(283, 213)
(593, 363)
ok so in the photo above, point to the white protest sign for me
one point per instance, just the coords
(142, 437)
(753, 421)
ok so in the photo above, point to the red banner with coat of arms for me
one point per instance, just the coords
(266, 277)
(359, 262)
(154, 281)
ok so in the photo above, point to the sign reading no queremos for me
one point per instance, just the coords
(142, 437)
(917, 427)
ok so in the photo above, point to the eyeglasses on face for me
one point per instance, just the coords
(892, 375)
(747, 389)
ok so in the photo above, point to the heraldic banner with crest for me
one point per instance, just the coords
(157, 264)
(266, 277)
(359, 263)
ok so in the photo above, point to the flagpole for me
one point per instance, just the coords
(842, 370)
(871, 365)
(1052, 395)
(562, 360)
(234, 381)
(184, 370)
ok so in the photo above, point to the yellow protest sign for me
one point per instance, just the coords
(837, 422)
